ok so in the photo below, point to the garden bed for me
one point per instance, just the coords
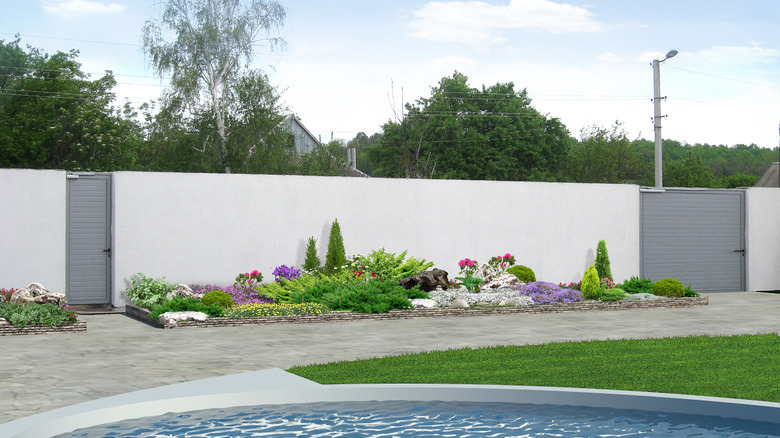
(143, 314)
(6, 329)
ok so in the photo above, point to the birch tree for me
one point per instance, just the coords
(212, 50)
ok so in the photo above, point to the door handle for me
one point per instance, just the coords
(108, 251)
(739, 250)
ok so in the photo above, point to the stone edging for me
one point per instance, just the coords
(6, 329)
(142, 314)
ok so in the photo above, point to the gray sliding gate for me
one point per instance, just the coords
(695, 236)
(89, 239)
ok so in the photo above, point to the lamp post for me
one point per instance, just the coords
(659, 167)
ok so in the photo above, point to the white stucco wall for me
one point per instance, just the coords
(206, 228)
(32, 228)
(763, 238)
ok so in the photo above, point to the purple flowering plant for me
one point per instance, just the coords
(286, 272)
(544, 293)
(241, 294)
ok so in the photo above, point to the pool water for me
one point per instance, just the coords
(426, 419)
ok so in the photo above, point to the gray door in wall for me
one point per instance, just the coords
(89, 239)
(695, 236)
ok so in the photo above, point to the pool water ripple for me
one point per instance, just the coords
(426, 419)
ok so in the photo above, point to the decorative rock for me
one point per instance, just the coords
(36, 293)
(501, 281)
(428, 280)
(171, 319)
(508, 303)
(181, 290)
(421, 303)
(459, 303)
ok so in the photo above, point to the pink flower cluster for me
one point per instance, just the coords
(467, 262)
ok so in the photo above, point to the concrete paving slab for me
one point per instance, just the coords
(118, 354)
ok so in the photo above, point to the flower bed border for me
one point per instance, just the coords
(142, 314)
(6, 329)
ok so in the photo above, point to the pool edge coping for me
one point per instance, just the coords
(276, 386)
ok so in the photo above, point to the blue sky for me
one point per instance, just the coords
(584, 62)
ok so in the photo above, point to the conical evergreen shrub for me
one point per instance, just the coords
(336, 258)
(312, 261)
(602, 261)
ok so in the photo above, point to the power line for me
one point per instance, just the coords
(722, 77)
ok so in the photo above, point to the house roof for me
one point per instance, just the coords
(770, 178)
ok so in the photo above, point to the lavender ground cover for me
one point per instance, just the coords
(241, 295)
(544, 293)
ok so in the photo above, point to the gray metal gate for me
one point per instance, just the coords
(89, 239)
(695, 236)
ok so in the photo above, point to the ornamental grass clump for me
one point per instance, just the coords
(284, 309)
(545, 293)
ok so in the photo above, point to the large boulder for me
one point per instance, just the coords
(501, 281)
(181, 290)
(171, 319)
(427, 280)
(36, 293)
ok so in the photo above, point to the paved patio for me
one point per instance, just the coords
(118, 354)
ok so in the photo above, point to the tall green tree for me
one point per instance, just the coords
(232, 107)
(52, 116)
(605, 156)
(461, 132)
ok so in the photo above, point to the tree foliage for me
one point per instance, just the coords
(461, 132)
(231, 115)
(53, 117)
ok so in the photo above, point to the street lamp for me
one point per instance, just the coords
(659, 167)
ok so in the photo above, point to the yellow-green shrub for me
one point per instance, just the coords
(591, 284)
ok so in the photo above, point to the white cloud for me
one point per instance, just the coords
(68, 9)
(479, 23)
(609, 57)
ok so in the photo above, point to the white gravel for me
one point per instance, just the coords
(493, 296)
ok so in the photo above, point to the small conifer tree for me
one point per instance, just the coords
(336, 258)
(312, 261)
(602, 261)
(590, 284)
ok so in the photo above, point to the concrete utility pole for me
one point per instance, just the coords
(659, 166)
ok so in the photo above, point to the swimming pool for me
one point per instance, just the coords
(428, 419)
(292, 401)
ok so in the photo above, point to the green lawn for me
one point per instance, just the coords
(746, 367)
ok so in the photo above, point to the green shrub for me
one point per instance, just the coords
(311, 263)
(179, 304)
(369, 297)
(389, 266)
(636, 285)
(590, 284)
(668, 287)
(336, 258)
(285, 309)
(147, 292)
(689, 292)
(524, 273)
(22, 315)
(615, 294)
(602, 261)
(219, 298)
(373, 296)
